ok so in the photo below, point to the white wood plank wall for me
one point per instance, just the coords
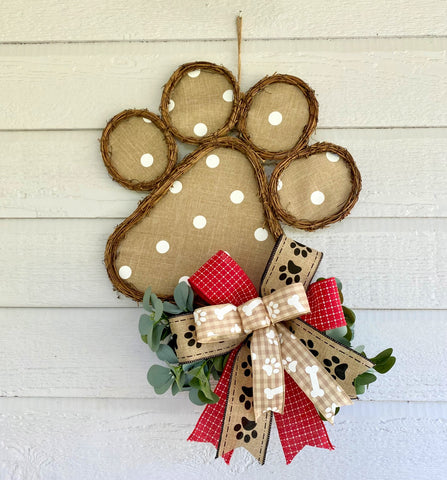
(74, 402)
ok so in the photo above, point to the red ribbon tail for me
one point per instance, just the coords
(300, 424)
(209, 426)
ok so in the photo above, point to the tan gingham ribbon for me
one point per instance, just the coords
(274, 348)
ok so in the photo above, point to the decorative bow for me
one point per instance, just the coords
(273, 349)
(319, 372)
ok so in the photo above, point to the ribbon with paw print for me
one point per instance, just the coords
(316, 373)
(274, 348)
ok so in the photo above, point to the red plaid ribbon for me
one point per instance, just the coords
(222, 280)
(326, 311)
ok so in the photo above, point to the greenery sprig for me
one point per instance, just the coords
(195, 377)
(155, 331)
(383, 361)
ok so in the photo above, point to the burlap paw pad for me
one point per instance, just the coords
(218, 197)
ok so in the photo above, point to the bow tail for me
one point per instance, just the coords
(268, 372)
(240, 428)
(300, 425)
(311, 376)
(209, 426)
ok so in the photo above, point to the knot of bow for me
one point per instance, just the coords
(273, 347)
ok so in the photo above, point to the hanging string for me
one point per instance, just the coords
(239, 42)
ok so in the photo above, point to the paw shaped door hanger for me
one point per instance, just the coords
(218, 197)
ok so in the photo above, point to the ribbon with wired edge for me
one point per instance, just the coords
(280, 361)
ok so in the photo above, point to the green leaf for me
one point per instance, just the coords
(171, 308)
(194, 397)
(155, 339)
(359, 348)
(144, 338)
(365, 379)
(338, 334)
(166, 354)
(190, 300)
(349, 316)
(218, 363)
(207, 399)
(164, 388)
(181, 295)
(145, 324)
(158, 376)
(158, 306)
(339, 284)
(175, 389)
(146, 300)
(360, 389)
(385, 366)
(382, 356)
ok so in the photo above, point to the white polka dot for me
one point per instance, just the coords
(228, 95)
(200, 129)
(194, 73)
(176, 187)
(279, 185)
(199, 222)
(171, 105)
(261, 234)
(125, 272)
(146, 120)
(317, 197)
(237, 197)
(275, 118)
(162, 246)
(212, 161)
(147, 160)
(183, 279)
(332, 157)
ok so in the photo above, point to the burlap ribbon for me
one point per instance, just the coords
(273, 349)
(323, 369)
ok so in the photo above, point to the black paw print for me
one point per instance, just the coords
(191, 338)
(246, 397)
(300, 249)
(292, 330)
(291, 272)
(247, 366)
(173, 342)
(310, 345)
(339, 370)
(248, 427)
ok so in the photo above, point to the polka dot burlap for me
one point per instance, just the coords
(218, 197)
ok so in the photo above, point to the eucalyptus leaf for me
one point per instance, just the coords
(171, 308)
(158, 306)
(382, 356)
(158, 376)
(164, 388)
(155, 338)
(194, 397)
(181, 295)
(360, 389)
(166, 354)
(146, 300)
(190, 300)
(339, 284)
(365, 379)
(175, 389)
(359, 348)
(386, 365)
(145, 324)
(338, 334)
(206, 399)
(349, 316)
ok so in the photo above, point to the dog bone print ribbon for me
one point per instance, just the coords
(231, 422)
(273, 348)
